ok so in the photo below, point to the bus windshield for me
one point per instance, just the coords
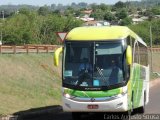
(93, 64)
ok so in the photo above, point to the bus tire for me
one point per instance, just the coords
(76, 116)
(127, 115)
(142, 109)
(132, 103)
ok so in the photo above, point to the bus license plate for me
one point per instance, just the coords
(92, 106)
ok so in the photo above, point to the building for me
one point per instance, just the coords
(96, 23)
(137, 20)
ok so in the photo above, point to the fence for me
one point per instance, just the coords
(28, 49)
(155, 49)
(41, 49)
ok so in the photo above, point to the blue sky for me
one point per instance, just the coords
(49, 2)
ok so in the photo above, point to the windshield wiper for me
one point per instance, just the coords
(101, 75)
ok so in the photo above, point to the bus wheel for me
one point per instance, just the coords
(142, 109)
(76, 116)
(132, 105)
(127, 115)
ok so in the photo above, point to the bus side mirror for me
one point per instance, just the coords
(129, 55)
(56, 56)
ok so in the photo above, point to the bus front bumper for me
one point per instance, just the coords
(119, 104)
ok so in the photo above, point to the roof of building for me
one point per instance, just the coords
(87, 11)
(101, 33)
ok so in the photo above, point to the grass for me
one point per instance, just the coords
(155, 64)
(156, 60)
(32, 81)
(154, 76)
(28, 81)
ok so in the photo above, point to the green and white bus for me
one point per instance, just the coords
(104, 69)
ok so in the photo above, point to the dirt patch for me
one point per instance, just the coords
(154, 82)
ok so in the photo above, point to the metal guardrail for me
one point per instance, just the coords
(28, 49)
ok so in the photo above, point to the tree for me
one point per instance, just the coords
(126, 21)
(94, 6)
(155, 10)
(78, 13)
(98, 14)
(143, 30)
(121, 14)
(71, 23)
(69, 11)
(57, 12)
(15, 29)
(43, 11)
(156, 31)
(103, 7)
(24, 11)
(120, 4)
(109, 16)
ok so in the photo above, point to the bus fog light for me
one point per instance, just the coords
(120, 104)
(124, 90)
(67, 95)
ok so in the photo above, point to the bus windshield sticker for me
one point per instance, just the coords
(68, 73)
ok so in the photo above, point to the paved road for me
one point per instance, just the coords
(55, 112)
(154, 103)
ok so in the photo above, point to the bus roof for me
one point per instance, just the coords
(101, 33)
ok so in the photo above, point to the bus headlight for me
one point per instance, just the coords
(124, 90)
(67, 95)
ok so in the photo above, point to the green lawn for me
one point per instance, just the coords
(156, 62)
(155, 65)
(32, 81)
(28, 81)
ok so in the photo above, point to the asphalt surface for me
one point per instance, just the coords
(56, 113)
(153, 106)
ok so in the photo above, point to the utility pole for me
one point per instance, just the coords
(127, 4)
(151, 48)
(1, 38)
(3, 14)
(2, 26)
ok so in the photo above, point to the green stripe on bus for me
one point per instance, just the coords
(95, 94)
(137, 86)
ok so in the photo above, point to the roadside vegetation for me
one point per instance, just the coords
(28, 81)
(25, 24)
(31, 81)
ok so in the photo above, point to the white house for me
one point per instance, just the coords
(137, 20)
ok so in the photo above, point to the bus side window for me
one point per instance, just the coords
(136, 53)
(143, 55)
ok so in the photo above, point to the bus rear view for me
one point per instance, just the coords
(98, 71)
